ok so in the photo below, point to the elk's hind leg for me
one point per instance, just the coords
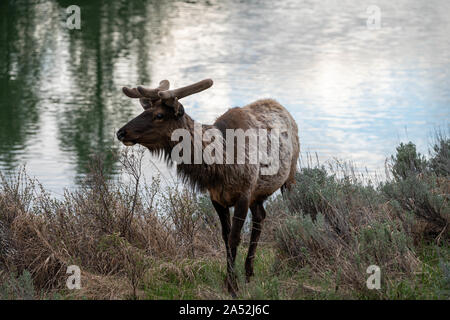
(258, 216)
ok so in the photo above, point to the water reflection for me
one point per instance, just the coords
(352, 91)
(19, 79)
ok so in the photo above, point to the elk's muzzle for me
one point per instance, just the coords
(121, 135)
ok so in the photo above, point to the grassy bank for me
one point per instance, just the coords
(132, 240)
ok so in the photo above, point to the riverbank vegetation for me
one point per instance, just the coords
(137, 240)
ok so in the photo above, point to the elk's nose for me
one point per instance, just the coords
(121, 134)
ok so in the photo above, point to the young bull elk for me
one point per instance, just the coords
(233, 183)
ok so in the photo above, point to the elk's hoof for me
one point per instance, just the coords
(248, 269)
(231, 285)
(248, 276)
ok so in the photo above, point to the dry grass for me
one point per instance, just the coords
(134, 240)
(114, 231)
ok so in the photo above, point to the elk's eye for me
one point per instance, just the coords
(159, 116)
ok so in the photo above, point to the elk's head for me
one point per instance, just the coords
(163, 113)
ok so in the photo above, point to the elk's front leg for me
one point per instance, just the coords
(240, 213)
(224, 216)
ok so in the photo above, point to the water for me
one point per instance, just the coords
(354, 92)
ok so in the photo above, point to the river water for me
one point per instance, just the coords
(355, 90)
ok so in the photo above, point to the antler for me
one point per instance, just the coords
(153, 93)
(185, 91)
(170, 97)
(146, 96)
(131, 92)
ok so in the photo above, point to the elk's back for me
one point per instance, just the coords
(263, 179)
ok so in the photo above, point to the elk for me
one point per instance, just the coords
(238, 185)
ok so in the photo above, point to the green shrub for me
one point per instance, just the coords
(407, 161)
(440, 156)
(14, 287)
(337, 224)
(339, 227)
(421, 198)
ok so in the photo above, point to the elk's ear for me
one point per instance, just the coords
(179, 110)
(145, 103)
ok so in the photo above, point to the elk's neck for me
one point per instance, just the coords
(197, 173)
(190, 125)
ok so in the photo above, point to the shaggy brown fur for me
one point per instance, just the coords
(239, 185)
